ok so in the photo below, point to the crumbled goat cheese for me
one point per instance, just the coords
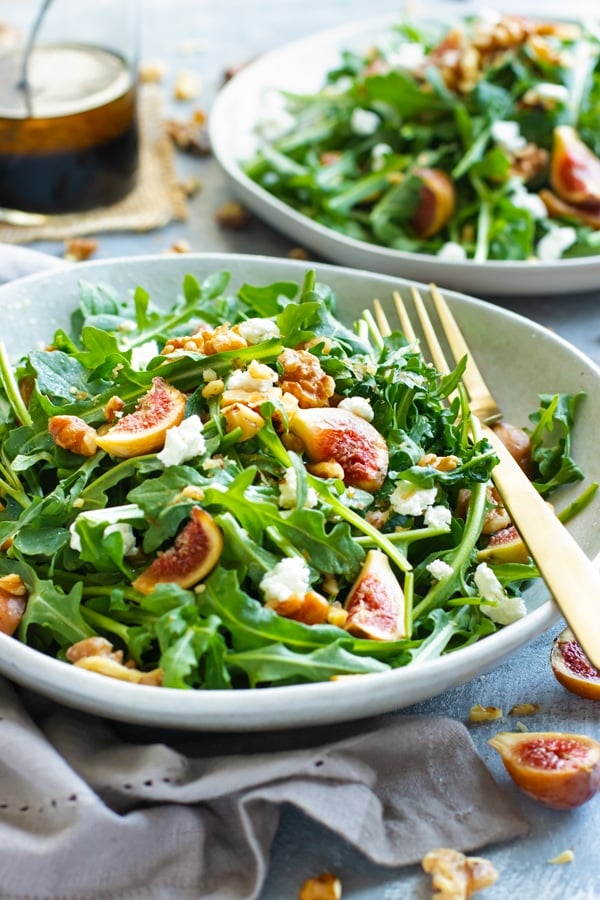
(507, 135)
(547, 95)
(505, 609)
(438, 517)
(183, 442)
(363, 121)
(452, 251)
(439, 569)
(553, 244)
(408, 56)
(360, 406)
(257, 377)
(533, 203)
(288, 491)
(408, 500)
(141, 356)
(255, 331)
(378, 155)
(112, 516)
(127, 535)
(290, 576)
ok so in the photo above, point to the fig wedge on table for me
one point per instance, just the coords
(195, 551)
(375, 604)
(557, 769)
(574, 168)
(331, 433)
(144, 430)
(572, 668)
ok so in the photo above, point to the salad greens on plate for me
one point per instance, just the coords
(477, 140)
(240, 491)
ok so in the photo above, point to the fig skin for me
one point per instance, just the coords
(375, 604)
(331, 433)
(574, 169)
(572, 668)
(505, 546)
(557, 769)
(561, 209)
(517, 442)
(437, 202)
(195, 551)
(144, 430)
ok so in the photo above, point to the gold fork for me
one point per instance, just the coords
(572, 578)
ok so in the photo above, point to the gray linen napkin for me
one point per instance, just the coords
(92, 809)
(86, 812)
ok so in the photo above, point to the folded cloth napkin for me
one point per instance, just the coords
(86, 812)
(90, 808)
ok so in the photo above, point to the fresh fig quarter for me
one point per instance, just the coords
(144, 430)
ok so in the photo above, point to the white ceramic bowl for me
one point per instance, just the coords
(519, 358)
(300, 67)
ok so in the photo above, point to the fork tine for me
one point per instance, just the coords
(381, 319)
(437, 354)
(405, 323)
(477, 389)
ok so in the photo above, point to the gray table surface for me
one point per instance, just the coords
(227, 33)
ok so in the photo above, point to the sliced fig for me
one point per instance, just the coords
(574, 169)
(572, 667)
(557, 769)
(436, 204)
(505, 546)
(331, 433)
(517, 442)
(195, 551)
(143, 431)
(588, 215)
(375, 604)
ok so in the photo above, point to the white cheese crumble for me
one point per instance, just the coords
(183, 442)
(141, 356)
(438, 517)
(115, 515)
(288, 491)
(502, 609)
(439, 569)
(408, 56)
(127, 536)
(290, 576)
(553, 244)
(257, 377)
(452, 251)
(378, 156)
(363, 121)
(255, 331)
(507, 135)
(360, 406)
(409, 500)
(547, 94)
(533, 203)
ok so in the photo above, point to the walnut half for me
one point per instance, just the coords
(456, 876)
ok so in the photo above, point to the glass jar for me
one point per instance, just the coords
(68, 104)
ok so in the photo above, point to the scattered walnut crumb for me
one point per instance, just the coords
(190, 186)
(456, 876)
(298, 253)
(524, 709)
(189, 136)
(567, 856)
(187, 86)
(181, 246)
(231, 71)
(520, 726)
(323, 887)
(232, 215)
(152, 71)
(480, 713)
(79, 249)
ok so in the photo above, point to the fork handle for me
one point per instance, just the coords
(571, 577)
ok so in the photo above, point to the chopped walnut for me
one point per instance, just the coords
(567, 856)
(232, 215)
(207, 341)
(238, 415)
(181, 246)
(441, 463)
(328, 468)
(298, 253)
(480, 713)
(310, 608)
(96, 654)
(524, 709)
(456, 876)
(152, 71)
(305, 379)
(79, 249)
(323, 887)
(529, 162)
(190, 186)
(93, 646)
(187, 86)
(13, 600)
(72, 433)
(496, 517)
(113, 409)
(189, 136)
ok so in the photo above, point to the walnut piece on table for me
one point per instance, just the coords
(78, 249)
(322, 887)
(456, 876)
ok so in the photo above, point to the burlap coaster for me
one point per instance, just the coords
(157, 199)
